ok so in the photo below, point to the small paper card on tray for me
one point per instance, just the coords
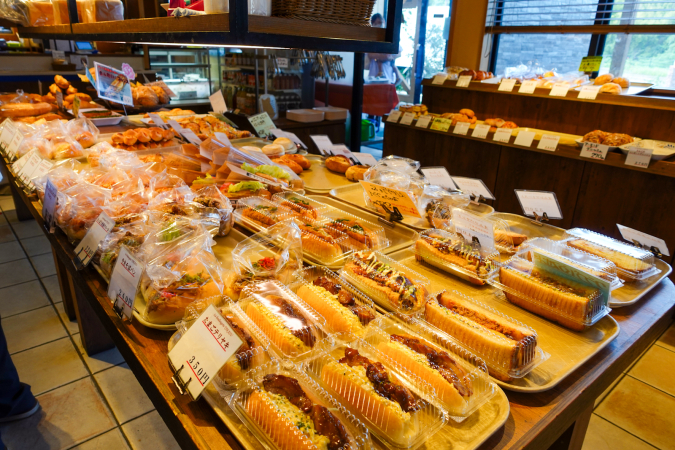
(383, 196)
(394, 116)
(87, 247)
(423, 121)
(539, 202)
(472, 226)
(594, 151)
(643, 239)
(407, 118)
(439, 176)
(473, 186)
(124, 282)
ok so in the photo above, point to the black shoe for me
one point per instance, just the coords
(23, 415)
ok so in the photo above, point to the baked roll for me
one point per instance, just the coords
(623, 82)
(319, 243)
(603, 79)
(355, 173)
(361, 235)
(338, 164)
(610, 88)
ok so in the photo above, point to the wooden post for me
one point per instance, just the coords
(467, 33)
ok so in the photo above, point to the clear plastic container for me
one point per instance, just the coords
(511, 353)
(386, 289)
(632, 263)
(274, 420)
(385, 418)
(470, 387)
(323, 244)
(571, 303)
(450, 252)
(505, 240)
(346, 310)
(257, 213)
(363, 235)
(300, 205)
(292, 327)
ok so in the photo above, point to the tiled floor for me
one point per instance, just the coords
(95, 403)
(87, 403)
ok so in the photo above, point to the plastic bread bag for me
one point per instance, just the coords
(146, 172)
(84, 131)
(124, 212)
(81, 206)
(95, 152)
(210, 199)
(131, 236)
(110, 178)
(163, 182)
(261, 168)
(167, 232)
(17, 11)
(62, 176)
(397, 173)
(119, 158)
(435, 198)
(42, 145)
(175, 201)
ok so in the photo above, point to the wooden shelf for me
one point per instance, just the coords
(308, 28)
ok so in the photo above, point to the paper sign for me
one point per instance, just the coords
(206, 346)
(59, 99)
(113, 84)
(481, 131)
(524, 138)
(464, 81)
(222, 138)
(27, 170)
(590, 64)
(175, 125)
(589, 92)
(503, 135)
(539, 202)
(58, 54)
(322, 142)
(124, 281)
(365, 159)
(528, 87)
(507, 85)
(87, 247)
(8, 130)
(262, 124)
(19, 163)
(548, 142)
(341, 149)
(439, 176)
(594, 151)
(218, 102)
(441, 124)
(157, 120)
(407, 118)
(559, 89)
(462, 128)
(15, 143)
(439, 79)
(191, 136)
(76, 106)
(470, 225)
(49, 205)
(423, 121)
(162, 85)
(382, 196)
(42, 168)
(639, 157)
(394, 116)
(631, 234)
(473, 186)
(282, 63)
(244, 173)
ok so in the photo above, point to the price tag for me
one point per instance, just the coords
(365, 159)
(559, 89)
(481, 131)
(42, 168)
(76, 106)
(439, 176)
(49, 205)
(503, 135)
(15, 143)
(464, 81)
(528, 87)
(206, 346)
(59, 100)
(423, 121)
(441, 124)
(548, 142)
(382, 197)
(322, 142)
(341, 149)
(594, 151)
(407, 118)
(128, 71)
(524, 138)
(157, 120)
(462, 128)
(27, 170)
(191, 136)
(439, 79)
(280, 133)
(473, 186)
(539, 202)
(282, 63)
(176, 126)
(472, 226)
(630, 234)
(589, 92)
(124, 281)
(8, 130)
(394, 116)
(639, 157)
(19, 163)
(89, 244)
(262, 124)
(58, 54)
(507, 85)
(590, 64)
(218, 102)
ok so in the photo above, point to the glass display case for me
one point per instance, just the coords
(187, 71)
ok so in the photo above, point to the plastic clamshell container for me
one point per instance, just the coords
(304, 115)
(332, 112)
(323, 244)
(274, 428)
(470, 371)
(290, 337)
(567, 309)
(632, 263)
(417, 427)
(363, 235)
(505, 241)
(472, 264)
(376, 262)
(505, 357)
(592, 264)
(300, 205)
(339, 318)
(257, 213)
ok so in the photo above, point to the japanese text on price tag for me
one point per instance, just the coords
(594, 151)
(464, 81)
(89, 244)
(473, 186)
(503, 135)
(423, 121)
(528, 87)
(548, 142)
(394, 116)
(441, 124)
(322, 142)
(643, 239)
(461, 128)
(384, 197)
(470, 225)
(439, 79)
(507, 85)
(407, 118)
(439, 176)
(262, 124)
(539, 202)
(639, 157)
(124, 282)
(481, 131)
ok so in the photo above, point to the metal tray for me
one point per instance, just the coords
(353, 194)
(568, 349)
(319, 180)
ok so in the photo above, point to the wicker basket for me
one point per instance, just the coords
(348, 12)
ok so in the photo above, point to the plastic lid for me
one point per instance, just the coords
(324, 244)
(300, 205)
(470, 225)
(362, 235)
(257, 213)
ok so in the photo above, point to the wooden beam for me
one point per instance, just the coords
(467, 30)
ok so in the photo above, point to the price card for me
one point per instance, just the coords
(203, 350)
(472, 226)
(262, 124)
(528, 87)
(464, 81)
(124, 281)
(8, 130)
(341, 149)
(76, 106)
(590, 64)
(59, 100)
(473, 186)
(524, 138)
(407, 118)
(280, 133)
(462, 128)
(559, 89)
(49, 205)
(441, 124)
(439, 176)
(481, 131)
(507, 85)
(639, 157)
(439, 79)
(175, 125)
(87, 247)
(539, 202)
(218, 102)
(322, 142)
(594, 151)
(27, 170)
(157, 120)
(58, 54)
(15, 143)
(190, 136)
(42, 168)
(548, 142)
(222, 138)
(503, 135)
(382, 197)
(589, 92)
(365, 159)
(113, 84)
(631, 234)
(394, 116)
(282, 63)
(423, 121)
(19, 163)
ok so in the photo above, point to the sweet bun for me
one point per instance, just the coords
(355, 173)
(623, 82)
(467, 112)
(24, 109)
(286, 143)
(295, 167)
(71, 90)
(610, 88)
(299, 160)
(273, 150)
(338, 164)
(161, 95)
(143, 135)
(86, 139)
(156, 134)
(61, 82)
(54, 89)
(130, 137)
(602, 79)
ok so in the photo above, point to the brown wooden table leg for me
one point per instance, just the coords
(22, 211)
(67, 294)
(94, 337)
(573, 437)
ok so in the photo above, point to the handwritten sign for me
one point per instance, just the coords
(462, 128)
(322, 142)
(539, 202)
(394, 116)
(439, 176)
(472, 226)
(548, 142)
(481, 131)
(382, 196)
(218, 102)
(473, 186)
(528, 87)
(124, 281)
(441, 124)
(594, 151)
(525, 138)
(631, 234)
(87, 247)
(559, 89)
(439, 79)
(503, 135)
(589, 92)
(407, 118)
(464, 81)
(423, 121)
(639, 157)
(507, 85)
(8, 130)
(590, 63)
(262, 124)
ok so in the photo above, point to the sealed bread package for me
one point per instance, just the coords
(300, 205)
(257, 213)
(261, 168)
(83, 131)
(164, 182)
(210, 201)
(78, 207)
(130, 236)
(361, 234)
(323, 244)
(62, 176)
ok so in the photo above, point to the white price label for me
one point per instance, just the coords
(218, 102)
(548, 142)
(473, 186)
(176, 126)
(42, 168)
(191, 136)
(157, 120)
(631, 234)
(343, 150)
(594, 151)
(539, 202)
(439, 79)
(282, 63)
(559, 89)
(470, 225)
(8, 130)
(124, 281)
(280, 133)
(87, 247)
(407, 118)
(58, 54)
(464, 81)
(262, 124)
(206, 346)
(439, 176)
(528, 87)
(26, 172)
(423, 121)
(481, 131)
(49, 205)
(222, 138)
(524, 138)
(503, 135)
(323, 143)
(15, 143)
(462, 128)
(507, 85)
(59, 99)
(19, 163)
(366, 159)
(589, 92)
(394, 116)
(639, 157)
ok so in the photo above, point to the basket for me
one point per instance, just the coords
(347, 12)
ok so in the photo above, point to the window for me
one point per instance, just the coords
(645, 58)
(560, 52)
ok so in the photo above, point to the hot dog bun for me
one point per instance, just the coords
(338, 318)
(275, 330)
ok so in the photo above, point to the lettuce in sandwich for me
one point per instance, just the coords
(273, 171)
(245, 186)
